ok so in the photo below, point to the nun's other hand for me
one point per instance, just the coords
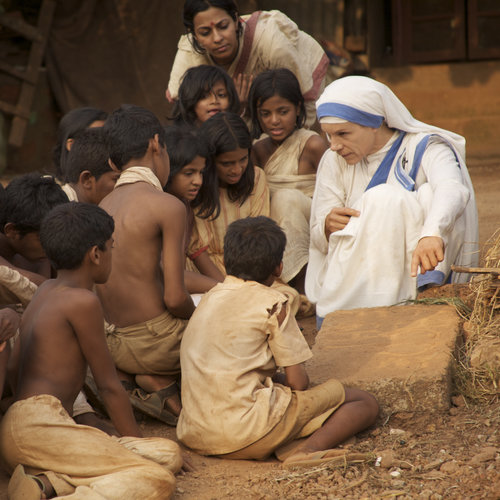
(338, 218)
(428, 254)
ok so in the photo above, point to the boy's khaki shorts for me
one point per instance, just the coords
(152, 347)
(305, 414)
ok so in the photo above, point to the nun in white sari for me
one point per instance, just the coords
(393, 206)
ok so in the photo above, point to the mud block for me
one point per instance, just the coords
(401, 354)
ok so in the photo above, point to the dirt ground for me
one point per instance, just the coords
(455, 454)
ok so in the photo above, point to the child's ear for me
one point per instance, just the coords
(69, 143)
(87, 180)
(94, 255)
(11, 232)
(155, 143)
(112, 165)
(278, 270)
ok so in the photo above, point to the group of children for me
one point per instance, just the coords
(156, 216)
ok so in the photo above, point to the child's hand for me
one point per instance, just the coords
(242, 83)
(338, 218)
(427, 255)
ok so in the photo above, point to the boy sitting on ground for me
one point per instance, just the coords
(145, 299)
(23, 263)
(61, 334)
(241, 331)
(89, 175)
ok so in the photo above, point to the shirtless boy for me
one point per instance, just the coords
(61, 335)
(248, 331)
(145, 299)
(23, 265)
(89, 175)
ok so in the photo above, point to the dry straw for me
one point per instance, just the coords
(478, 368)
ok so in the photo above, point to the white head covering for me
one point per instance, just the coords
(362, 100)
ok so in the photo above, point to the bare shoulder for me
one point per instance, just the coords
(258, 150)
(316, 145)
(169, 207)
(264, 148)
(61, 311)
(78, 302)
(314, 149)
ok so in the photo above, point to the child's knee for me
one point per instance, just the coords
(372, 406)
(369, 402)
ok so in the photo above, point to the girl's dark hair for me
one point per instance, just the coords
(71, 123)
(183, 146)
(196, 84)
(193, 7)
(281, 82)
(224, 132)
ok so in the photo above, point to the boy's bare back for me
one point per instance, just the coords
(61, 330)
(147, 274)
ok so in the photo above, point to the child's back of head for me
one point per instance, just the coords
(70, 230)
(253, 248)
(129, 130)
(71, 123)
(27, 200)
(88, 152)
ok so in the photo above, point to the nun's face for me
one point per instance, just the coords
(351, 141)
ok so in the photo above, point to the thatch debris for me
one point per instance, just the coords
(478, 373)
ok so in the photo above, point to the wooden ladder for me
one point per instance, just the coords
(29, 76)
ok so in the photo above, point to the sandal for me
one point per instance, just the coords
(332, 457)
(153, 404)
(24, 486)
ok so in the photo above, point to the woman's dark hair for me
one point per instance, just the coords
(71, 123)
(193, 7)
(281, 82)
(196, 84)
(224, 132)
